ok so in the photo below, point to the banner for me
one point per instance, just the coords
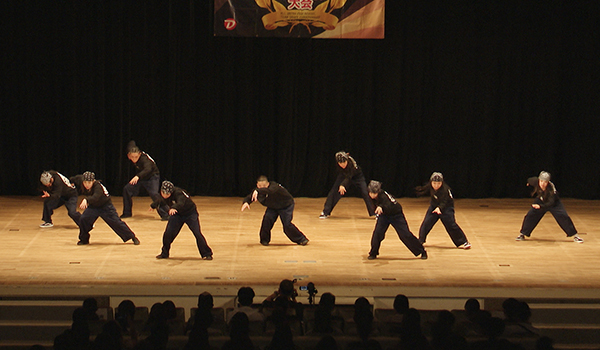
(334, 19)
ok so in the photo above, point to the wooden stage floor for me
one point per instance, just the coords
(47, 260)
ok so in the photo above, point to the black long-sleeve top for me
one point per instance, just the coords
(274, 197)
(388, 203)
(349, 172)
(61, 186)
(178, 200)
(145, 167)
(442, 198)
(97, 196)
(545, 199)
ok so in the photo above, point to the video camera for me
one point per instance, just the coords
(312, 291)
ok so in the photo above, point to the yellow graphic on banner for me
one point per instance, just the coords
(300, 12)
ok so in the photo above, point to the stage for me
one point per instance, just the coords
(47, 262)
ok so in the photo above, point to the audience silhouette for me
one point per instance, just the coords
(198, 336)
(78, 336)
(239, 333)
(477, 329)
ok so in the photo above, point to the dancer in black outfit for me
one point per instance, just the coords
(349, 174)
(182, 211)
(389, 212)
(97, 203)
(279, 203)
(546, 199)
(147, 175)
(58, 190)
(441, 207)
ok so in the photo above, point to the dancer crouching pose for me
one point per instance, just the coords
(182, 211)
(147, 175)
(279, 203)
(389, 212)
(97, 203)
(441, 207)
(58, 190)
(349, 174)
(546, 199)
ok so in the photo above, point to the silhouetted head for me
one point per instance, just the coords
(170, 309)
(401, 304)
(511, 307)
(90, 304)
(245, 296)
(239, 325)
(472, 305)
(205, 301)
(126, 308)
(327, 300)
(286, 288)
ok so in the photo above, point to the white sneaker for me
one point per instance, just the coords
(467, 245)
(46, 225)
(323, 216)
(520, 237)
(577, 239)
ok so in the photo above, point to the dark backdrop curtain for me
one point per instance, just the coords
(487, 92)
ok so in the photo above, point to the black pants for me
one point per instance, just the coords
(286, 214)
(174, 227)
(454, 231)
(334, 195)
(399, 223)
(108, 213)
(52, 203)
(559, 212)
(152, 187)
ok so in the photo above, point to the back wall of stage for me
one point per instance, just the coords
(489, 93)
